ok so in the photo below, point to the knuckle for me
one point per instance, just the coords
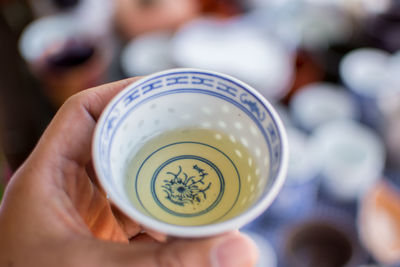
(76, 99)
(77, 103)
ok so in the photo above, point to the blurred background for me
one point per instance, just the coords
(330, 67)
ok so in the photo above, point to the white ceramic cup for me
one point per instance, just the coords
(146, 54)
(237, 49)
(184, 99)
(350, 156)
(320, 103)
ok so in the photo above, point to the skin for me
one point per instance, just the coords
(55, 214)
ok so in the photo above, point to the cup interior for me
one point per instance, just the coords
(223, 152)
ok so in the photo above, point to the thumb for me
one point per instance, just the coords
(229, 250)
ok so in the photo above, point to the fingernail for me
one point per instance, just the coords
(237, 251)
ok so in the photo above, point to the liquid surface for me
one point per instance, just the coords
(193, 177)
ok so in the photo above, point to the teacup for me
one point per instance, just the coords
(190, 153)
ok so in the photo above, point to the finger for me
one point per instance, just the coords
(130, 227)
(230, 250)
(160, 237)
(93, 178)
(99, 218)
(69, 135)
(142, 237)
(92, 206)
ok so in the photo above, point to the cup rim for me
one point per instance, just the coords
(202, 230)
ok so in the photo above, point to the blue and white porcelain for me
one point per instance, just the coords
(238, 49)
(186, 98)
(146, 54)
(372, 75)
(318, 103)
(350, 158)
(298, 196)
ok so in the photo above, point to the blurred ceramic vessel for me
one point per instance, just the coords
(66, 54)
(327, 238)
(146, 54)
(299, 193)
(319, 103)
(351, 158)
(373, 77)
(379, 223)
(231, 47)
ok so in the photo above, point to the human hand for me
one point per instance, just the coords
(54, 214)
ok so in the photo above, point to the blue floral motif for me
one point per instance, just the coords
(252, 107)
(182, 189)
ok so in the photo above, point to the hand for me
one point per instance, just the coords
(53, 214)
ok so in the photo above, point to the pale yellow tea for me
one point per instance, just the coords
(193, 177)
